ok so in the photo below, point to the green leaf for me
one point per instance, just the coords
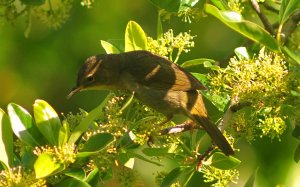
(47, 121)
(71, 182)
(248, 29)
(22, 125)
(288, 7)
(97, 142)
(197, 62)
(159, 31)
(143, 158)
(64, 133)
(127, 160)
(109, 48)
(251, 181)
(171, 177)
(168, 5)
(135, 37)
(87, 121)
(155, 151)
(291, 54)
(221, 161)
(77, 173)
(46, 165)
(6, 140)
(221, 4)
(296, 132)
(93, 177)
(297, 154)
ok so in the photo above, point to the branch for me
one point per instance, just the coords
(263, 18)
(290, 26)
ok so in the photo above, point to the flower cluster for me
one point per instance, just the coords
(64, 154)
(87, 3)
(18, 177)
(219, 178)
(261, 81)
(54, 13)
(168, 44)
(235, 5)
(189, 14)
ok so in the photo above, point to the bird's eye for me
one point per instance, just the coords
(90, 78)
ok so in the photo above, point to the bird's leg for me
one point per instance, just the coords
(204, 156)
(186, 126)
(150, 141)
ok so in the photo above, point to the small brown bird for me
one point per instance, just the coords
(156, 81)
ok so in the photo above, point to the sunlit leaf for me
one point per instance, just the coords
(47, 121)
(241, 53)
(197, 62)
(249, 29)
(6, 140)
(22, 125)
(87, 121)
(135, 37)
(64, 133)
(221, 161)
(45, 165)
(109, 48)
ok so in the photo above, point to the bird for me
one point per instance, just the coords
(156, 82)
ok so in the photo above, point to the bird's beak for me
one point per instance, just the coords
(74, 91)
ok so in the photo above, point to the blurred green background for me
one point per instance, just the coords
(44, 66)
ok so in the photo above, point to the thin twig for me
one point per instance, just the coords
(262, 16)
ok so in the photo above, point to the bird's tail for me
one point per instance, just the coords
(199, 115)
(215, 134)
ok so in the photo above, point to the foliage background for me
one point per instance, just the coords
(45, 65)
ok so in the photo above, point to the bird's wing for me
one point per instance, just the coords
(158, 73)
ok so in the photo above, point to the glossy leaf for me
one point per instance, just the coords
(171, 177)
(87, 121)
(109, 48)
(22, 125)
(45, 166)
(71, 182)
(6, 140)
(97, 142)
(248, 29)
(221, 4)
(221, 161)
(135, 37)
(47, 121)
(288, 7)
